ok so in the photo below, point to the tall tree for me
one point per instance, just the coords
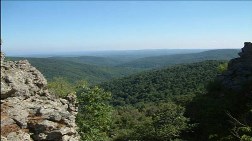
(94, 115)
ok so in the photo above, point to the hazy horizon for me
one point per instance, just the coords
(51, 27)
(112, 53)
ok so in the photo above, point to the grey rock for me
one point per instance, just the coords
(26, 105)
(66, 138)
(3, 138)
(67, 131)
(6, 121)
(19, 136)
(19, 115)
(19, 80)
(55, 117)
(2, 57)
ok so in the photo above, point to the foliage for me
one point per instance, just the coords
(151, 122)
(223, 67)
(160, 85)
(125, 121)
(154, 105)
(60, 87)
(94, 114)
(167, 123)
(75, 71)
(100, 69)
(207, 108)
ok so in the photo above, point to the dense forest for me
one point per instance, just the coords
(72, 70)
(160, 85)
(170, 102)
(130, 70)
(104, 66)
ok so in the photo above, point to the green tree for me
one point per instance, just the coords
(125, 120)
(169, 121)
(167, 124)
(94, 114)
(60, 87)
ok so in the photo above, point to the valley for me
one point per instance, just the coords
(107, 70)
(147, 98)
(106, 66)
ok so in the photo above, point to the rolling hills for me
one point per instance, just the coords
(97, 69)
(168, 60)
(74, 71)
(92, 60)
(162, 84)
(155, 89)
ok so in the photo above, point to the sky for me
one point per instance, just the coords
(72, 26)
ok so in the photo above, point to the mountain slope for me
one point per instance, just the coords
(73, 71)
(168, 60)
(100, 69)
(161, 84)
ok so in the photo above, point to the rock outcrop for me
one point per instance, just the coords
(28, 111)
(239, 71)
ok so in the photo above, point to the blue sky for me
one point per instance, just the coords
(70, 26)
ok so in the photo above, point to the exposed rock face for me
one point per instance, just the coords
(239, 71)
(28, 111)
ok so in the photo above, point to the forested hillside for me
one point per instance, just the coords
(74, 71)
(225, 112)
(209, 100)
(159, 85)
(130, 70)
(93, 60)
(97, 69)
(179, 102)
(168, 60)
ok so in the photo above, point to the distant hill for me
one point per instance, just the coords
(116, 58)
(168, 60)
(129, 55)
(93, 60)
(73, 71)
(162, 84)
(97, 69)
(112, 55)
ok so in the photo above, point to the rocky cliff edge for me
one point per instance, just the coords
(28, 111)
(239, 71)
